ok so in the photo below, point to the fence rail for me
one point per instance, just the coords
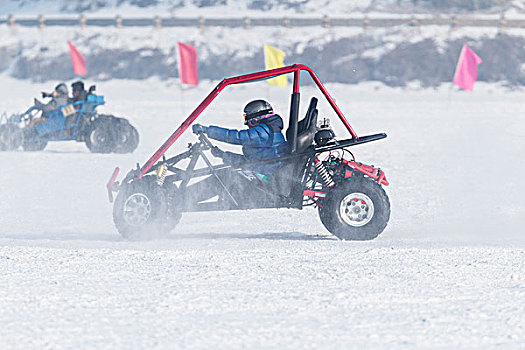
(246, 22)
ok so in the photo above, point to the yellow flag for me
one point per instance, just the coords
(274, 58)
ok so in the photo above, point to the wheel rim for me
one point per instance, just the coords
(137, 209)
(357, 209)
(98, 137)
(124, 137)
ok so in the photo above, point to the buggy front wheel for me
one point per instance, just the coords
(34, 146)
(355, 210)
(141, 210)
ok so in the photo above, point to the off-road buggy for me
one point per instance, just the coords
(78, 121)
(319, 171)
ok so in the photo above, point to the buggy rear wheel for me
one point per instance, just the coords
(127, 137)
(356, 210)
(141, 210)
(11, 137)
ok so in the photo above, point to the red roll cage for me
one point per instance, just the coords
(295, 69)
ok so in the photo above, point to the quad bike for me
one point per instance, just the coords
(319, 171)
(78, 121)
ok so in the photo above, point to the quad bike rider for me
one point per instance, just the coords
(65, 119)
(263, 140)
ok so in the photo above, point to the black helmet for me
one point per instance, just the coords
(78, 85)
(256, 108)
(61, 89)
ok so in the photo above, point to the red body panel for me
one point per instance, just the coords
(111, 184)
(370, 171)
(312, 193)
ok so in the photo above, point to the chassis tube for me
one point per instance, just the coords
(294, 115)
(181, 129)
(330, 99)
(214, 173)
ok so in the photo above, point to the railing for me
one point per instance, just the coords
(246, 22)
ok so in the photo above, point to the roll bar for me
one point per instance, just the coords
(295, 69)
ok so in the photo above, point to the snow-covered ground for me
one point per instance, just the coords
(448, 272)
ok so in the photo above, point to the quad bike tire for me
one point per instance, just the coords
(100, 137)
(141, 210)
(34, 146)
(11, 137)
(357, 210)
(127, 136)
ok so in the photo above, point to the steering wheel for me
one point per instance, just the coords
(206, 141)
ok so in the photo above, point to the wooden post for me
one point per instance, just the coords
(118, 21)
(41, 22)
(82, 21)
(326, 22)
(158, 22)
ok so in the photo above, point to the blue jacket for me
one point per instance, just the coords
(262, 142)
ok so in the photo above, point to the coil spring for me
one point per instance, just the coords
(325, 176)
(161, 174)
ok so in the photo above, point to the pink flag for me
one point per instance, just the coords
(79, 62)
(467, 69)
(188, 70)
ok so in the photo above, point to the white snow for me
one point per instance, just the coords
(448, 272)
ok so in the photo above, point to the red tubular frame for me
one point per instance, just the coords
(296, 69)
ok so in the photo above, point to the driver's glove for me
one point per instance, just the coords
(196, 128)
(45, 94)
(217, 152)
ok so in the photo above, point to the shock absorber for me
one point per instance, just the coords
(323, 172)
(161, 174)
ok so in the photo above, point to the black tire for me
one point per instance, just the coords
(11, 137)
(358, 210)
(127, 136)
(34, 146)
(141, 210)
(100, 137)
(174, 213)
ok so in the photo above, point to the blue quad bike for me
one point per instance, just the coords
(78, 121)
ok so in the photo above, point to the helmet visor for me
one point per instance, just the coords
(256, 120)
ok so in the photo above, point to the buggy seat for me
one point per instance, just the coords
(288, 176)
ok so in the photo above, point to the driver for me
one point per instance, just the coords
(79, 92)
(263, 140)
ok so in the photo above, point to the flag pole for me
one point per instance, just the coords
(182, 98)
(181, 93)
(448, 96)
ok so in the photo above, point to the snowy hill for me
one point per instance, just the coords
(393, 55)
